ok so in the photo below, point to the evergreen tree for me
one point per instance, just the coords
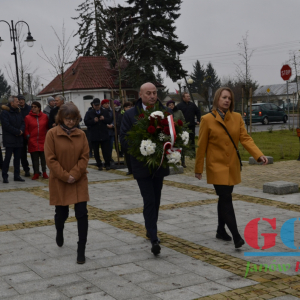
(155, 43)
(161, 93)
(4, 87)
(91, 20)
(198, 76)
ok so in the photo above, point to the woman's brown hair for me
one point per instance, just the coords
(218, 95)
(68, 110)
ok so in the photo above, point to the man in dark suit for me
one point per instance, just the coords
(97, 119)
(13, 127)
(59, 101)
(25, 110)
(150, 184)
(190, 111)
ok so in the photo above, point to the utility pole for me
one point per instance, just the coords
(250, 112)
(288, 101)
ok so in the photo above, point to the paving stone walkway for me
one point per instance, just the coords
(193, 264)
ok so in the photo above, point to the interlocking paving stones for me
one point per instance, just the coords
(119, 263)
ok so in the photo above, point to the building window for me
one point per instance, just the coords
(88, 97)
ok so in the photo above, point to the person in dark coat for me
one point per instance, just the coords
(88, 133)
(59, 101)
(13, 127)
(97, 120)
(190, 111)
(126, 106)
(50, 106)
(150, 184)
(25, 110)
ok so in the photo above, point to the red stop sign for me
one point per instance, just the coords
(286, 72)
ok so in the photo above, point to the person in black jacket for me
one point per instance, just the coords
(190, 111)
(25, 110)
(59, 101)
(13, 127)
(127, 105)
(97, 120)
(150, 184)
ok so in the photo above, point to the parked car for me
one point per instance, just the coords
(290, 106)
(265, 113)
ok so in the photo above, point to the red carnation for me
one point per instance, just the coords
(167, 130)
(166, 113)
(180, 123)
(149, 107)
(141, 116)
(164, 122)
(151, 129)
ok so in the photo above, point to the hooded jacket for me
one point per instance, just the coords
(36, 127)
(12, 124)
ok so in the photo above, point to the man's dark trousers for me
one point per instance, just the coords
(17, 156)
(192, 137)
(24, 159)
(105, 147)
(150, 188)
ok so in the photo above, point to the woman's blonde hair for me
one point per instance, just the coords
(218, 95)
(68, 110)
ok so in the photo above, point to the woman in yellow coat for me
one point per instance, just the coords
(67, 155)
(223, 168)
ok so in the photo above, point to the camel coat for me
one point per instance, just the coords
(67, 155)
(222, 163)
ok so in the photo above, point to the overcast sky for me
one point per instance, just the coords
(211, 28)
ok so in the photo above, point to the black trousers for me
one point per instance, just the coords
(17, 156)
(105, 147)
(128, 161)
(1, 159)
(81, 214)
(24, 160)
(192, 138)
(36, 157)
(226, 213)
(151, 192)
(88, 135)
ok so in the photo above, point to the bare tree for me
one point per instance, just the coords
(243, 69)
(62, 58)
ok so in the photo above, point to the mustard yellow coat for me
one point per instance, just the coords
(67, 155)
(222, 163)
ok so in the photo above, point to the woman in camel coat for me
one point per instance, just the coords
(223, 168)
(67, 156)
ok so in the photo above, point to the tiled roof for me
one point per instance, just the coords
(87, 72)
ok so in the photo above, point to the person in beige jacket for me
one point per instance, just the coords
(67, 155)
(223, 167)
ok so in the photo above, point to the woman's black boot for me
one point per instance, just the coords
(59, 237)
(81, 253)
(223, 235)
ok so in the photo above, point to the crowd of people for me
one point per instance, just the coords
(53, 134)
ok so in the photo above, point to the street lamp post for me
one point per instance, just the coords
(13, 37)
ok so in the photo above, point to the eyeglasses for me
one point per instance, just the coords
(71, 120)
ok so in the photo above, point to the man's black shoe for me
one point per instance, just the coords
(184, 165)
(107, 168)
(5, 180)
(148, 236)
(223, 236)
(239, 243)
(100, 168)
(128, 173)
(19, 179)
(27, 174)
(155, 248)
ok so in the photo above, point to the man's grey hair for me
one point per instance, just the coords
(61, 97)
(11, 99)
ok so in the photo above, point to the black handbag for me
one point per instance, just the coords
(237, 150)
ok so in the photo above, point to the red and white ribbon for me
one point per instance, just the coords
(168, 146)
